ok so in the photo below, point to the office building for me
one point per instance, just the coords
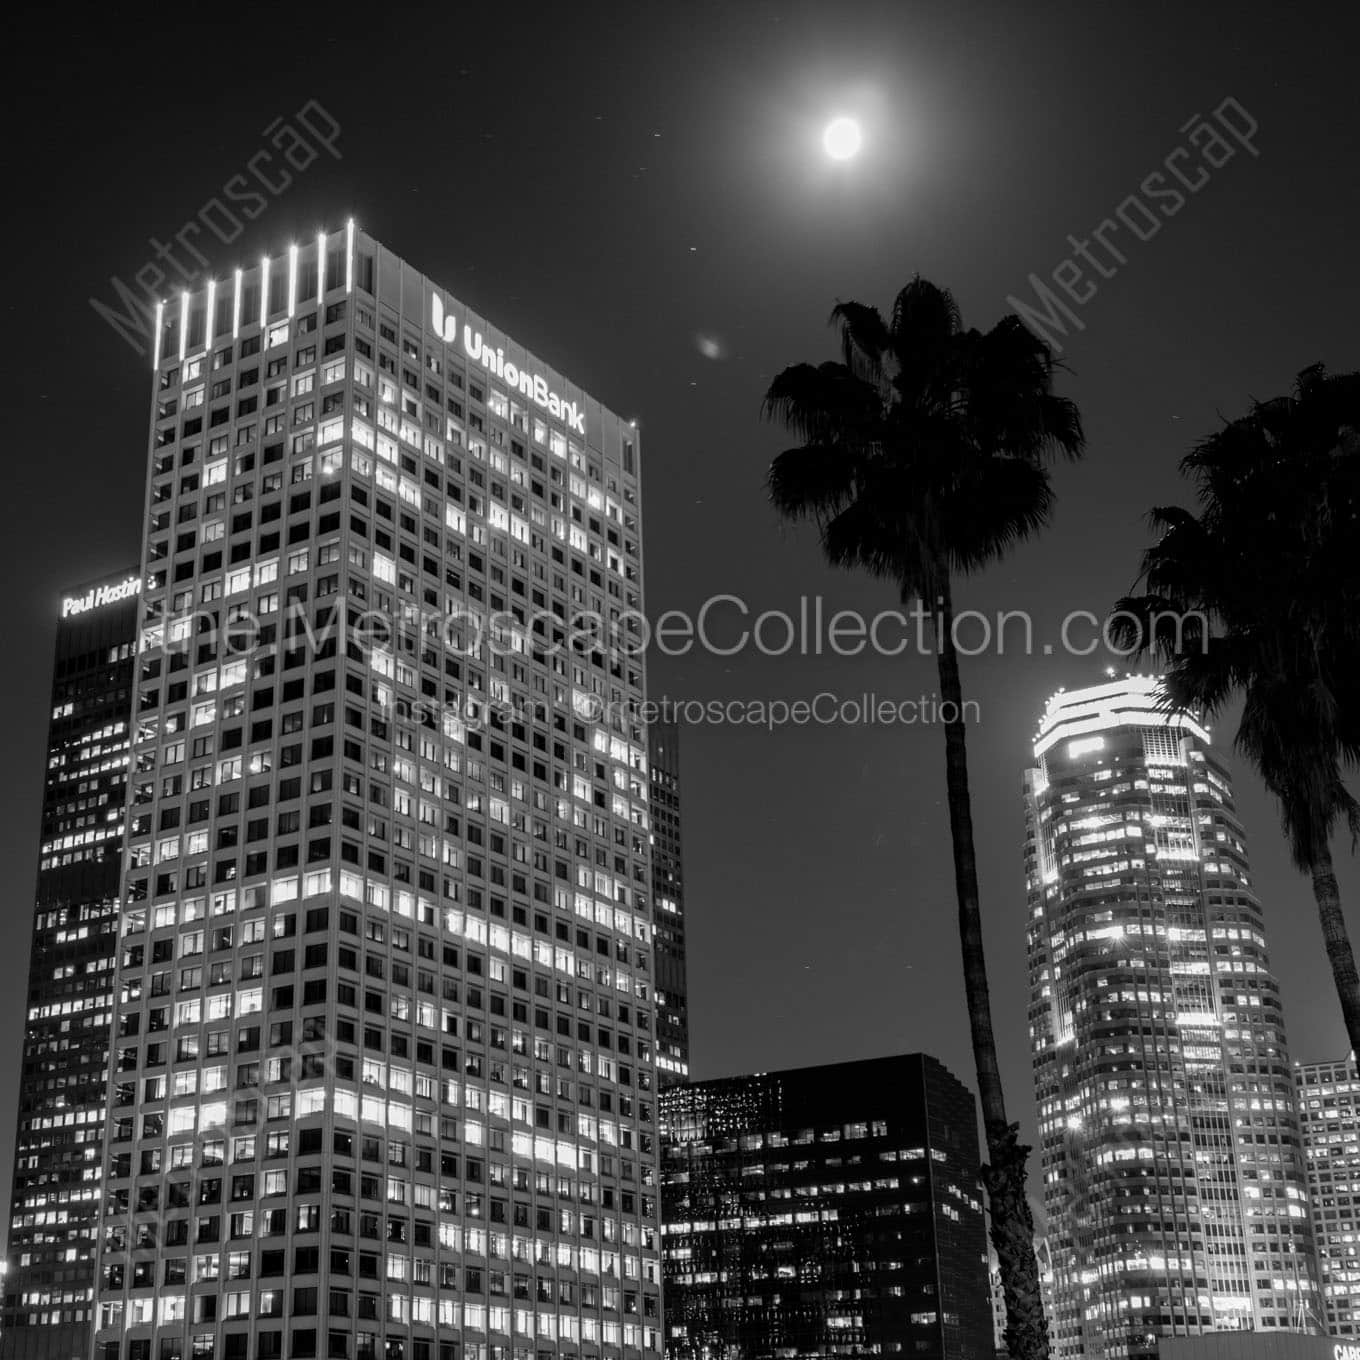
(1172, 1160)
(1329, 1106)
(668, 896)
(825, 1211)
(384, 1025)
(62, 1094)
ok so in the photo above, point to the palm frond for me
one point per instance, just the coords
(861, 536)
(1006, 502)
(924, 314)
(1267, 571)
(928, 441)
(811, 480)
(821, 402)
(864, 339)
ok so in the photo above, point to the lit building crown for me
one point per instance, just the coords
(1134, 701)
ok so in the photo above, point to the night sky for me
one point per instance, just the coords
(629, 189)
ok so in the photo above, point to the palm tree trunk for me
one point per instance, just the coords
(1337, 942)
(1012, 1223)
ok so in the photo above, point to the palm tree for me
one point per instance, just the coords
(922, 457)
(1258, 596)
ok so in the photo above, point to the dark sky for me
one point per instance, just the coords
(608, 183)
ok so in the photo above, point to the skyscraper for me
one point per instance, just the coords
(825, 1211)
(668, 895)
(54, 1205)
(1172, 1161)
(1329, 1106)
(384, 1025)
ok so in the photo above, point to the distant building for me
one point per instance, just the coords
(998, 1302)
(998, 1294)
(1329, 1105)
(62, 1095)
(668, 897)
(824, 1211)
(1174, 1180)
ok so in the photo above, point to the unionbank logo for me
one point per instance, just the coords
(98, 596)
(531, 385)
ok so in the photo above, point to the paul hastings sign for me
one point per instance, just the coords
(98, 596)
(531, 385)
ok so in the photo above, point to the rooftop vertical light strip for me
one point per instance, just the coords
(349, 256)
(208, 320)
(292, 279)
(183, 324)
(320, 268)
(236, 306)
(156, 342)
(264, 290)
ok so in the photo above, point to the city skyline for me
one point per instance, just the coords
(631, 274)
(106, 610)
(664, 205)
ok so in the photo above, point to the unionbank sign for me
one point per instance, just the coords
(98, 596)
(531, 385)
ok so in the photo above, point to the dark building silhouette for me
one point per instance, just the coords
(824, 1211)
(61, 1099)
(668, 893)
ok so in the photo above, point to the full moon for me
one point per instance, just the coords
(842, 139)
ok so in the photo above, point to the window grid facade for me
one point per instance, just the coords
(1329, 1106)
(1172, 1159)
(383, 1053)
(54, 1205)
(668, 895)
(825, 1211)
